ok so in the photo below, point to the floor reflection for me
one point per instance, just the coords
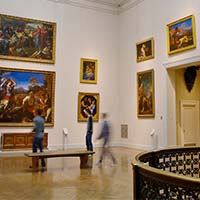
(65, 180)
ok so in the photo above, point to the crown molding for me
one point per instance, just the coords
(102, 2)
(101, 5)
(130, 4)
(92, 5)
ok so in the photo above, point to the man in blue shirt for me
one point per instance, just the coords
(38, 134)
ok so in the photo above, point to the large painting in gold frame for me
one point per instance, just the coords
(145, 94)
(23, 91)
(88, 70)
(88, 101)
(27, 39)
(181, 35)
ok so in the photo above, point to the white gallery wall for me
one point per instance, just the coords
(149, 19)
(83, 32)
(80, 33)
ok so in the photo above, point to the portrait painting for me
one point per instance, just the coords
(22, 92)
(181, 35)
(145, 94)
(88, 104)
(88, 70)
(145, 50)
(27, 39)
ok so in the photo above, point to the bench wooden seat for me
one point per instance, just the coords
(83, 154)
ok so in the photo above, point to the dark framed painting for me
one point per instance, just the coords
(22, 92)
(145, 50)
(27, 39)
(145, 94)
(88, 103)
(88, 70)
(181, 35)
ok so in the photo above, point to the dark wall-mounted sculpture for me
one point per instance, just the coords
(190, 76)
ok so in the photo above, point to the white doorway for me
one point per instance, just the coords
(190, 123)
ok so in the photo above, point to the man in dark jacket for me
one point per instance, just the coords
(89, 131)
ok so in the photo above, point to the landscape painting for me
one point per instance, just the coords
(27, 39)
(22, 92)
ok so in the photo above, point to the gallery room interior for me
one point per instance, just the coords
(137, 60)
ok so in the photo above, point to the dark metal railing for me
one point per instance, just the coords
(167, 174)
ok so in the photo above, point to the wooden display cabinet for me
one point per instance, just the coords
(12, 141)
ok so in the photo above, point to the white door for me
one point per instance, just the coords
(190, 123)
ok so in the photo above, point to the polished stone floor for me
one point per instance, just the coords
(64, 180)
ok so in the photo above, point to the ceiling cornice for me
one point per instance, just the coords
(102, 2)
(101, 5)
(129, 5)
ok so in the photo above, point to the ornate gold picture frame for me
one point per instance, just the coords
(27, 39)
(145, 94)
(181, 35)
(145, 50)
(88, 102)
(22, 92)
(88, 70)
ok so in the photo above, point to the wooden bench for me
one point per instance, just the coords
(83, 154)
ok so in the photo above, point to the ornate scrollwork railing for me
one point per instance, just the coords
(167, 174)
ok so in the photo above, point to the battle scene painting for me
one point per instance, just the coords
(22, 92)
(88, 103)
(145, 91)
(27, 39)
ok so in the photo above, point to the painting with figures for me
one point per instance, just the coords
(88, 103)
(181, 35)
(22, 92)
(27, 39)
(145, 94)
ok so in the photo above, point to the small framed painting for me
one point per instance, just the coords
(24, 91)
(88, 70)
(181, 35)
(145, 94)
(27, 39)
(88, 103)
(145, 50)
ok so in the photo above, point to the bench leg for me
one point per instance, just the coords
(35, 163)
(86, 161)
